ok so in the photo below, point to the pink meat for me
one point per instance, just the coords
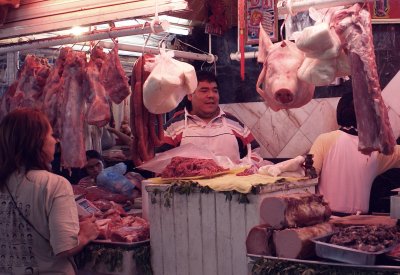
(72, 109)
(114, 77)
(353, 25)
(30, 83)
(98, 111)
(189, 167)
(282, 89)
(259, 240)
(53, 89)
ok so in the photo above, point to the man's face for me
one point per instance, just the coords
(205, 100)
(94, 167)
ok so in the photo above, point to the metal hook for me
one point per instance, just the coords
(163, 40)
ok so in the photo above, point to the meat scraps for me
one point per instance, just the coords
(191, 167)
(370, 238)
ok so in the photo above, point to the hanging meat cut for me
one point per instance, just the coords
(52, 91)
(73, 116)
(353, 25)
(31, 81)
(143, 123)
(98, 109)
(113, 77)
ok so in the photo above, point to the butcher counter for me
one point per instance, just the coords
(197, 230)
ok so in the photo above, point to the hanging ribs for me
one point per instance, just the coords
(353, 25)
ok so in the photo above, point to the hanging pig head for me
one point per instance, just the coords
(281, 89)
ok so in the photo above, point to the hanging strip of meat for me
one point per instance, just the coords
(98, 110)
(353, 25)
(142, 122)
(53, 89)
(114, 78)
(72, 111)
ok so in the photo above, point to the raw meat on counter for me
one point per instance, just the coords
(94, 193)
(294, 210)
(370, 238)
(191, 167)
(353, 25)
(282, 89)
(114, 223)
(295, 243)
(123, 229)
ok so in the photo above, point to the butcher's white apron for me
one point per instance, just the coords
(217, 137)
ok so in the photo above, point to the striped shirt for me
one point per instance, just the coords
(173, 130)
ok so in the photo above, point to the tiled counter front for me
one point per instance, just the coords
(205, 233)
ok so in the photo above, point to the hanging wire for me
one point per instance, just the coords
(180, 41)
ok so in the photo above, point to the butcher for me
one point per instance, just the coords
(205, 124)
(346, 175)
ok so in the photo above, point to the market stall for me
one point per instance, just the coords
(194, 225)
(197, 230)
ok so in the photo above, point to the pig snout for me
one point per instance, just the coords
(284, 96)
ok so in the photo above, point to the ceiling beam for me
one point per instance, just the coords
(48, 16)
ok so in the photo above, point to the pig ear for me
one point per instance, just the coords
(264, 42)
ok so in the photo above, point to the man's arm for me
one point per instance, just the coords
(127, 140)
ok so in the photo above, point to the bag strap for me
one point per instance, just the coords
(22, 215)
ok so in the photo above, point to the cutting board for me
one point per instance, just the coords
(364, 220)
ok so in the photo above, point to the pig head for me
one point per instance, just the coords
(281, 88)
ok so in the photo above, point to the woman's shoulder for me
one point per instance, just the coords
(44, 177)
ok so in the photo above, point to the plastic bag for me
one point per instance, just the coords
(168, 83)
(113, 179)
(292, 167)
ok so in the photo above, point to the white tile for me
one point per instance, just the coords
(274, 130)
(248, 113)
(322, 120)
(299, 115)
(394, 119)
(391, 94)
(265, 153)
(333, 101)
(298, 145)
